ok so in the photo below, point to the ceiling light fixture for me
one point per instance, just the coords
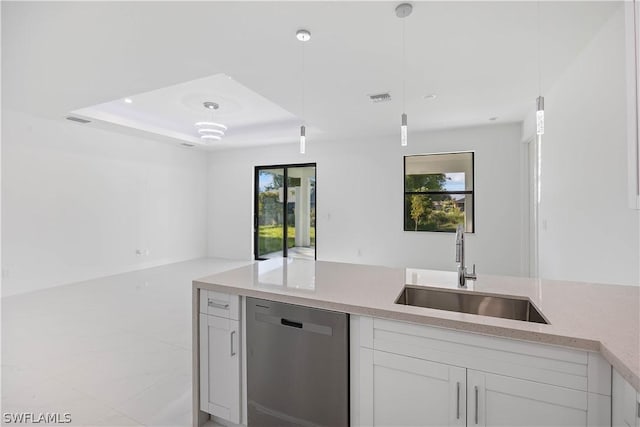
(402, 11)
(540, 115)
(207, 130)
(128, 100)
(540, 98)
(218, 125)
(303, 36)
(210, 130)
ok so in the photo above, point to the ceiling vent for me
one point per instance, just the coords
(78, 119)
(380, 97)
(187, 145)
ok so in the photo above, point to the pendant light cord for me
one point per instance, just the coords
(404, 67)
(302, 83)
(637, 89)
(539, 51)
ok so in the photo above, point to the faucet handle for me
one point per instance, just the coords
(472, 275)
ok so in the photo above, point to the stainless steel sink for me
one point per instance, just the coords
(473, 303)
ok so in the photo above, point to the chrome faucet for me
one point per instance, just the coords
(462, 270)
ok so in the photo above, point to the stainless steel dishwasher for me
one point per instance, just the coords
(297, 365)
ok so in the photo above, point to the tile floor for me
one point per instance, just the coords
(303, 252)
(114, 351)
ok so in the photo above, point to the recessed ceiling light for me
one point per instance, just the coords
(493, 119)
(128, 100)
(431, 96)
(209, 136)
(303, 35)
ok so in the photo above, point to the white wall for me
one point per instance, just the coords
(360, 200)
(587, 231)
(78, 201)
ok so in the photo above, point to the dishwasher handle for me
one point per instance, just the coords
(283, 321)
(291, 323)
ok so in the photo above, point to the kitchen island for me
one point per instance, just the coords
(596, 319)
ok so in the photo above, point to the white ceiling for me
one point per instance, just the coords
(172, 112)
(479, 57)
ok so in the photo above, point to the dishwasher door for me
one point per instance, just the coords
(297, 365)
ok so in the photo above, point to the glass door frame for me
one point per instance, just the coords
(256, 204)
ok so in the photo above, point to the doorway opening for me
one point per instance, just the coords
(285, 211)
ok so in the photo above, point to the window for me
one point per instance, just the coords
(438, 192)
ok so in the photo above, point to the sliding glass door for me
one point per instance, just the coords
(285, 211)
(270, 212)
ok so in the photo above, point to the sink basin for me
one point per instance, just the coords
(472, 303)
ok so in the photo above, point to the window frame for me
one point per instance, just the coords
(256, 196)
(471, 192)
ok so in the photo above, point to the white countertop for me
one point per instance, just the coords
(595, 317)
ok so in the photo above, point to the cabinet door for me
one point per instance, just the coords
(405, 391)
(625, 403)
(220, 367)
(496, 400)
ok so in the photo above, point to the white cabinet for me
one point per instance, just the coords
(496, 400)
(625, 403)
(418, 375)
(412, 392)
(220, 356)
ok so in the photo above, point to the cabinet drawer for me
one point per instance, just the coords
(219, 304)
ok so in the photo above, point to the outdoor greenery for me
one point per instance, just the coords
(425, 182)
(432, 213)
(425, 211)
(269, 208)
(271, 211)
(270, 238)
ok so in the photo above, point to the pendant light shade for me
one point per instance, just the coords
(303, 140)
(540, 115)
(403, 131)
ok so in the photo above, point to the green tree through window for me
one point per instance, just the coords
(438, 192)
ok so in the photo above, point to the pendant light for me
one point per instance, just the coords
(540, 99)
(303, 36)
(540, 115)
(402, 11)
(210, 130)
